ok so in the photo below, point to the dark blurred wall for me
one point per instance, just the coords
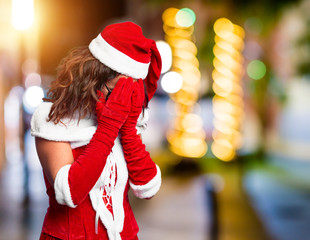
(71, 23)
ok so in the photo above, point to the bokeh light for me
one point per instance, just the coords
(33, 79)
(30, 66)
(223, 150)
(223, 26)
(227, 102)
(171, 82)
(32, 98)
(253, 25)
(252, 50)
(166, 55)
(185, 17)
(256, 69)
(186, 136)
(168, 17)
(186, 144)
(22, 14)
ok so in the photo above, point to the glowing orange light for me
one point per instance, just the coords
(22, 14)
(187, 137)
(227, 102)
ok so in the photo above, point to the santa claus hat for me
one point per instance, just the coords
(123, 48)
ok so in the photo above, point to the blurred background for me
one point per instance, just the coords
(229, 124)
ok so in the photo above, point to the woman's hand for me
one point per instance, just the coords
(118, 106)
(137, 101)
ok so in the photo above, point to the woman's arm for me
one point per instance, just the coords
(144, 174)
(53, 156)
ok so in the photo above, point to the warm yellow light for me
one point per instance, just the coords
(191, 79)
(225, 121)
(185, 44)
(236, 90)
(223, 150)
(226, 107)
(184, 65)
(234, 137)
(238, 31)
(194, 71)
(223, 25)
(22, 14)
(224, 46)
(223, 69)
(219, 104)
(192, 123)
(169, 16)
(186, 96)
(233, 77)
(223, 127)
(231, 38)
(185, 33)
(235, 100)
(185, 55)
(169, 31)
(172, 31)
(229, 61)
(227, 76)
(220, 91)
(232, 87)
(225, 83)
(186, 146)
(227, 70)
(187, 138)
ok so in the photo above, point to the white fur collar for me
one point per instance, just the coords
(77, 133)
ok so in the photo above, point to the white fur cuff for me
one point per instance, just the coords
(148, 190)
(61, 186)
(142, 121)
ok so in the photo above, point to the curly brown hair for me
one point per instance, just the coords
(79, 76)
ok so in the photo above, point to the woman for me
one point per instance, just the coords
(87, 139)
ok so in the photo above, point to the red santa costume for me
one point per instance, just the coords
(89, 199)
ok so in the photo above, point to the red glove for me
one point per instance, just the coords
(140, 166)
(87, 168)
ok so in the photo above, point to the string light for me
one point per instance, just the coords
(186, 136)
(228, 101)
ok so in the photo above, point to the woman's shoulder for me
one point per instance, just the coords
(71, 130)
